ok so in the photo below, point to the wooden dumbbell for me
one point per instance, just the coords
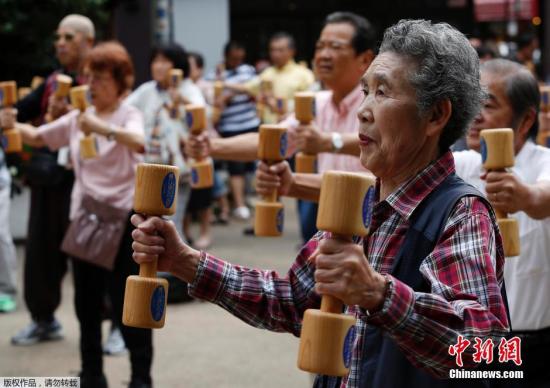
(80, 99)
(145, 297)
(61, 88)
(545, 98)
(543, 136)
(11, 137)
(327, 338)
(202, 170)
(304, 110)
(269, 217)
(266, 90)
(62, 85)
(497, 153)
(174, 79)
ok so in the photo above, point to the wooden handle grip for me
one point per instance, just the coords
(330, 304)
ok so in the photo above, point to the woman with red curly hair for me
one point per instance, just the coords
(103, 182)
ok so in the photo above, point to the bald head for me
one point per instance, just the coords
(79, 23)
(74, 38)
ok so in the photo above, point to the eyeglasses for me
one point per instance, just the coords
(331, 45)
(68, 37)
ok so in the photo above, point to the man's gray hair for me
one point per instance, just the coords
(447, 67)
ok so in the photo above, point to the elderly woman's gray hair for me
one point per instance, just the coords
(447, 67)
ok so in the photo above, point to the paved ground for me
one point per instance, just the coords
(201, 344)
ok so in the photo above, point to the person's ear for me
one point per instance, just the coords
(439, 117)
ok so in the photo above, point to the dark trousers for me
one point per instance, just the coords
(307, 212)
(45, 264)
(534, 354)
(91, 284)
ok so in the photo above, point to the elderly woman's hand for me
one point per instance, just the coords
(343, 271)
(278, 177)
(158, 239)
(90, 123)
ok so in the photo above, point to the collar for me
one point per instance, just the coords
(289, 65)
(406, 198)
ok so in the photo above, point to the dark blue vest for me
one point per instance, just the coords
(383, 364)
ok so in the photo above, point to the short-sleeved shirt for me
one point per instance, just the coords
(341, 118)
(239, 114)
(287, 80)
(528, 275)
(110, 176)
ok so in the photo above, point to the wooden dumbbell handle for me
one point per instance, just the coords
(499, 213)
(331, 304)
(148, 270)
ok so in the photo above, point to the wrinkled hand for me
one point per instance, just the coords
(275, 177)
(57, 107)
(197, 146)
(506, 191)
(90, 123)
(309, 139)
(158, 239)
(8, 118)
(343, 271)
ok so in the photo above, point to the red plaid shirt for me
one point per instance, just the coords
(465, 272)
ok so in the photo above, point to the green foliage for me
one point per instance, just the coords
(27, 29)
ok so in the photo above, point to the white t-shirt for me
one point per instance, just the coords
(151, 101)
(528, 275)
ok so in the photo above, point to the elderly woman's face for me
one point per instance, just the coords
(160, 68)
(391, 133)
(103, 89)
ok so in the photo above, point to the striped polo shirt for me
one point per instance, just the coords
(240, 113)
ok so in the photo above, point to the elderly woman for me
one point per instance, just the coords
(164, 134)
(104, 181)
(430, 270)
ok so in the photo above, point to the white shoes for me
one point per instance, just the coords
(242, 213)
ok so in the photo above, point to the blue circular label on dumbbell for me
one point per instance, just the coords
(348, 346)
(1, 97)
(168, 190)
(368, 204)
(545, 98)
(3, 141)
(157, 303)
(284, 144)
(483, 147)
(280, 104)
(189, 119)
(280, 220)
(194, 176)
(313, 109)
(548, 141)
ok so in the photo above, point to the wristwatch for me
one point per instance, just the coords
(337, 142)
(112, 132)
